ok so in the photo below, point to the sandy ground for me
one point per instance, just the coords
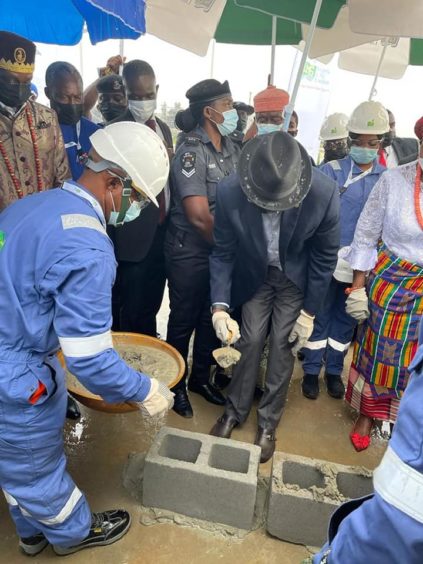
(98, 447)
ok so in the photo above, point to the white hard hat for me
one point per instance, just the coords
(334, 127)
(137, 150)
(369, 117)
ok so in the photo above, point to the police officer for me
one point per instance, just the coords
(204, 157)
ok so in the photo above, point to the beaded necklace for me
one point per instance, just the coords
(417, 191)
(15, 179)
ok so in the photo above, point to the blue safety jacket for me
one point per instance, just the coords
(355, 188)
(57, 268)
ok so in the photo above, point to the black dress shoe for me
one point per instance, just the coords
(223, 426)
(266, 440)
(335, 386)
(310, 386)
(181, 403)
(209, 392)
(72, 411)
(221, 380)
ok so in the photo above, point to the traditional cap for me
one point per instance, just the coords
(207, 91)
(243, 107)
(110, 84)
(271, 100)
(17, 54)
(418, 129)
(275, 171)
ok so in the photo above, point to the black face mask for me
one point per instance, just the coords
(388, 138)
(14, 94)
(242, 124)
(68, 114)
(335, 154)
(110, 111)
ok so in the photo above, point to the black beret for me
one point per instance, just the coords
(17, 54)
(207, 91)
(243, 107)
(110, 84)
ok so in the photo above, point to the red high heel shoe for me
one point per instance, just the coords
(360, 442)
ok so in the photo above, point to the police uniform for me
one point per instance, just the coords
(108, 87)
(57, 267)
(196, 170)
(32, 152)
(333, 327)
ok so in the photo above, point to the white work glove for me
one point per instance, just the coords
(301, 332)
(226, 328)
(158, 401)
(357, 304)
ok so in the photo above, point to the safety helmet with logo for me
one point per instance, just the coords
(334, 127)
(369, 117)
(138, 151)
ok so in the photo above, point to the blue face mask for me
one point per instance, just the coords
(230, 121)
(263, 128)
(363, 155)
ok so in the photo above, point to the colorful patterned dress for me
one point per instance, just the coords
(388, 242)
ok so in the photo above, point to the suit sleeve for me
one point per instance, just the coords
(62, 170)
(222, 259)
(80, 285)
(323, 256)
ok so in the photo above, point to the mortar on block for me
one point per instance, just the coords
(202, 476)
(305, 492)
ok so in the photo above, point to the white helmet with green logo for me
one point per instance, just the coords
(369, 117)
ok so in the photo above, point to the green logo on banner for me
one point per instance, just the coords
(2, 239)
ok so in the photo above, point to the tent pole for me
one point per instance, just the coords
(273, 52)
(379, 66)
(290, 107)
(213, 47)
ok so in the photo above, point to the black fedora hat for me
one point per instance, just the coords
(275, 171)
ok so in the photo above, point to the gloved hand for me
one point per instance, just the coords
(226, 328)
(357, 304)
(301, 332)
(158, 401)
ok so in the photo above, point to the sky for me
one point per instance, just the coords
(247, 69)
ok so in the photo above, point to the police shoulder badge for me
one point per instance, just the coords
(188, 163)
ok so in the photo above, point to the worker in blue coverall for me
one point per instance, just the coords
(57, 268)
(387, 527)
(355, 175)
(66, 94)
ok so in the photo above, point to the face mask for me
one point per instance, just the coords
(14, 94)
(335, 154)
(242, 123)
(142, 110)
(230, 119)
(68, 114)
(388, 138)
(110, 110)
(363, 155)
(264, 128)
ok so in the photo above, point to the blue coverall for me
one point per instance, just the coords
(57, 268)
(387, 528)
(333, 327)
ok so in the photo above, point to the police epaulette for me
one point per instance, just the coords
(192, 141)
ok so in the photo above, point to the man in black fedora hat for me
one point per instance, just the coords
(276, 236)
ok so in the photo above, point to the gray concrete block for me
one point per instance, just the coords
(202, 476)
(305, 492)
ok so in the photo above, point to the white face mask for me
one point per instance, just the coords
(142, 110)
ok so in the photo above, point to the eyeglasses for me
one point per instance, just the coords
(337, 144)
(373, 143)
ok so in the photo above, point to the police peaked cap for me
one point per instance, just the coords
(207, 91)
(110, 84)
(17, 54)
(243, 107)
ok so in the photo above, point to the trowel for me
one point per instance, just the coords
(226, 356)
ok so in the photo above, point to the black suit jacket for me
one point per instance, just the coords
(308, 245)
(133, 240)
(406, 149)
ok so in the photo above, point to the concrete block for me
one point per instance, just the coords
(305, 492)
(202, 476)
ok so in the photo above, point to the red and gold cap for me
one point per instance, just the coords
(271, 100)
(17, 54)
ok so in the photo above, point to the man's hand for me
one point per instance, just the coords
(226, 328)
(113, 65)
(158, 401)
(301, 332)
(357, 304)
